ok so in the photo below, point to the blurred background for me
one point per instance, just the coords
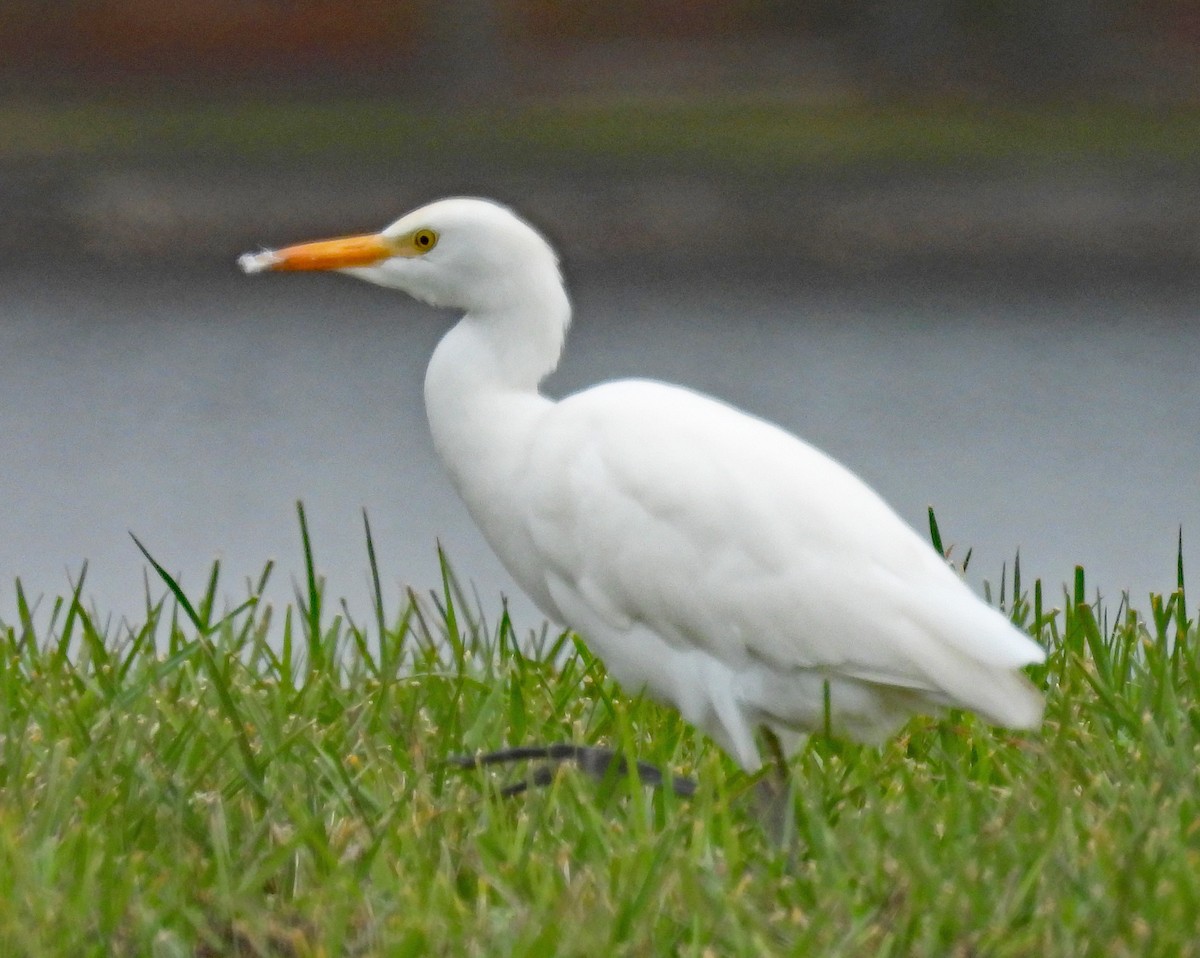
(955, 243)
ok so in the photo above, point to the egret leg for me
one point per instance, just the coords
(775, 794)
(593, 760)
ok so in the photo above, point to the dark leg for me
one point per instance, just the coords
(776, 803)
(593, 760)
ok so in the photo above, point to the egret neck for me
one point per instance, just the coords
(481, 389)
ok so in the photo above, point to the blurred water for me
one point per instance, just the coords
(195, 409)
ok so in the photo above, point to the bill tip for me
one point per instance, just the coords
(257, 262)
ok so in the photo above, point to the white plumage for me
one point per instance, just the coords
(722, 564)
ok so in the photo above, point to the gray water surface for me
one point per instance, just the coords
(195, 408)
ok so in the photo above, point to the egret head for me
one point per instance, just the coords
(461, 253)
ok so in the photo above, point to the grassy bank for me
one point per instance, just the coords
(181, 786)
(739, 135)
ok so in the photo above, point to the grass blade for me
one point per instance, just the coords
(181, 598)
(935, 535)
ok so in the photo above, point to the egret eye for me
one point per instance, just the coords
(425, 240)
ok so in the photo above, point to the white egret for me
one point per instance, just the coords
(708, 557)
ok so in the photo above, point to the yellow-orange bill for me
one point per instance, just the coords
(324, 254)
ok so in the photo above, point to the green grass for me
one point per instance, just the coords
(741, 135)
(182, 786)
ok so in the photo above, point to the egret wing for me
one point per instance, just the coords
(718, 530)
